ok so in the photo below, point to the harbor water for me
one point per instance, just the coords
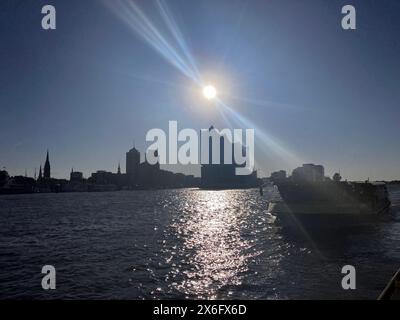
(184, 243)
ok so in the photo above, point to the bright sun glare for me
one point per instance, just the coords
(209, 92)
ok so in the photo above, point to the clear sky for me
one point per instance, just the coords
(313, 91)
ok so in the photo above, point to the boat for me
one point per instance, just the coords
(315, 199)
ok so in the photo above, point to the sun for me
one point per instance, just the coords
(209, 92)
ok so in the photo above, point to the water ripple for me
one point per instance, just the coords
(181, 244)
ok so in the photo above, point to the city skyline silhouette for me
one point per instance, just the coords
(312, 91)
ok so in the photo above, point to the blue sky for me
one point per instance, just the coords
(314, 92)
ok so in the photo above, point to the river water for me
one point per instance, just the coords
(183, 243)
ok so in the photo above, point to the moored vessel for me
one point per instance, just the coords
(308, 197)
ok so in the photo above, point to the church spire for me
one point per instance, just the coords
(40, 173)
(119, 168)
(46, 172)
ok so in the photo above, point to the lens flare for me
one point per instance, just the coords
(209, 92)
(168, 40)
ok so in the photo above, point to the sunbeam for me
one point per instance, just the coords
(137, 20)
(177, 53)
(266, 139)
(174, 29)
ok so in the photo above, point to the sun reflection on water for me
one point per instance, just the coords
(212, 244)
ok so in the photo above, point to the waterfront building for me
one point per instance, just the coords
(132, 166)
(4, 177)
(309, 172)
(223, 175)
(76, 176)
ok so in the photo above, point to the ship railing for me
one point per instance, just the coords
(392, 290)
